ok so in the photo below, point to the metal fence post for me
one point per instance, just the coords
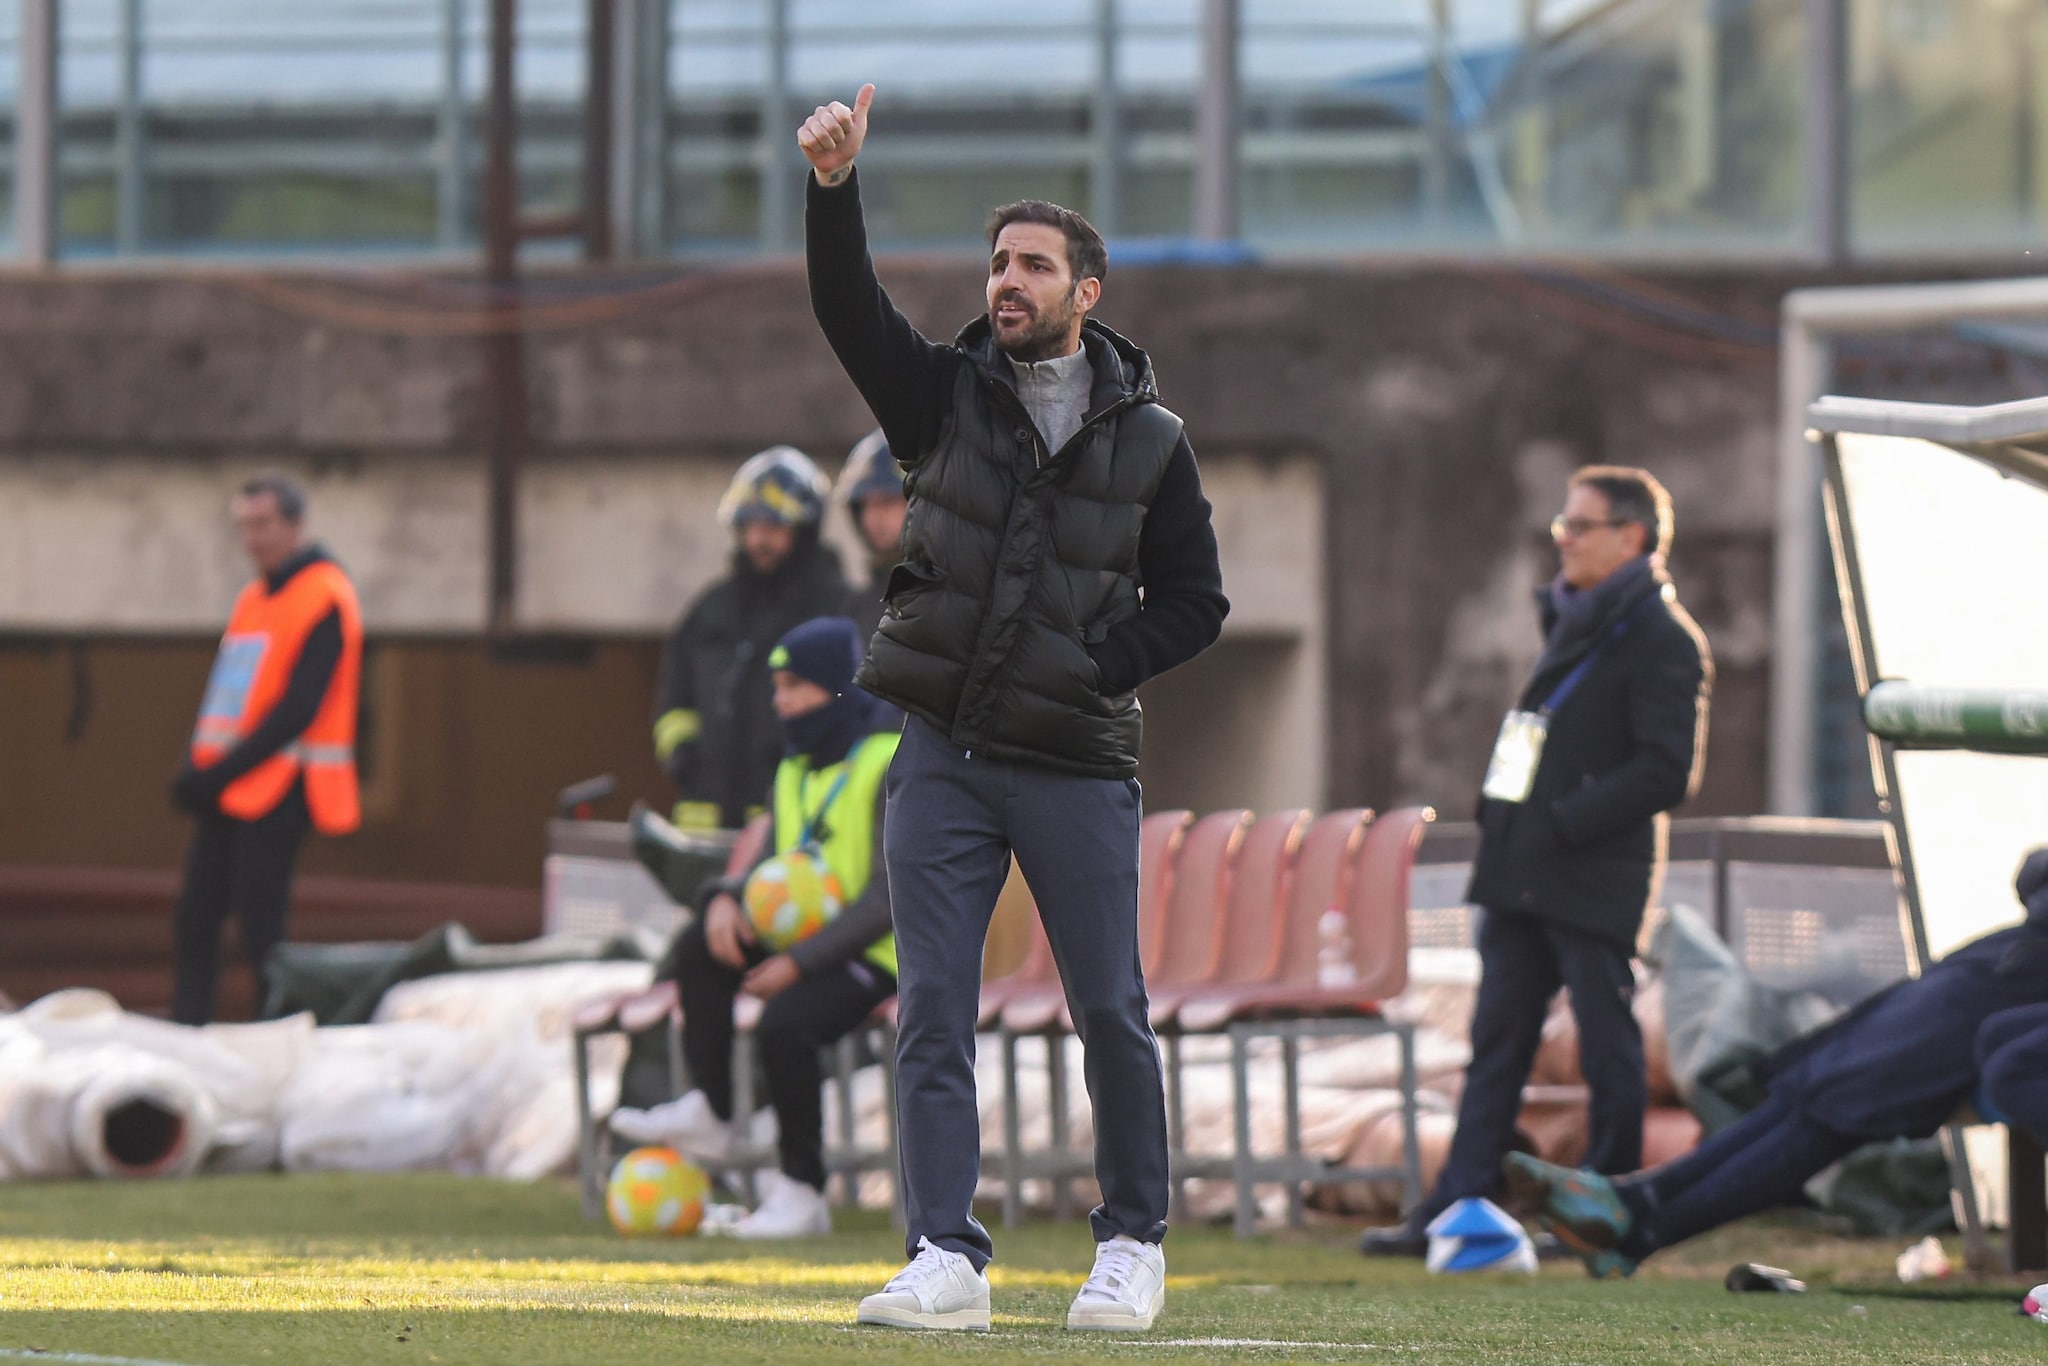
(1218, 101)
(778, 134)
(37, 187)
(639, 187)
(1826, 131)
(1437, 150)
(450, 153)
(131, 180)
(1106, 125)
(600, 92)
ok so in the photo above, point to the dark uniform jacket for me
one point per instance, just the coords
(715, 664)
(1625, 747)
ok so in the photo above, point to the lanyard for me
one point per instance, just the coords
(810, 838)
(1577, 676)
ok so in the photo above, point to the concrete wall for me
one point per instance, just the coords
(1384, 445)
(130, 560)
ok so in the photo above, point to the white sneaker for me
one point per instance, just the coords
(789, 1209)
(688, 1124)
(1125, 1291)
(939, 1289)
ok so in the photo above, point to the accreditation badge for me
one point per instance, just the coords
(1512, 770)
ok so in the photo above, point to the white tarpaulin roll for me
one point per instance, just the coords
(466, 1072)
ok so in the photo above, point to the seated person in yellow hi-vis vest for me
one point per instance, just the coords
(807, 931)
(274, 748)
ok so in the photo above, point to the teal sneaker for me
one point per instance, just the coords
(1609, 1265)
(1580, 1207)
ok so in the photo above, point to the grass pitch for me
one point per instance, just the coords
(451, 1270)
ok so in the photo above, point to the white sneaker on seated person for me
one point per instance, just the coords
(939, 1289)
(688, 1124)
(1125, 1291)
(789, 1209)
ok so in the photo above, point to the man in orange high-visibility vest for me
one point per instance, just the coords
(273, 752)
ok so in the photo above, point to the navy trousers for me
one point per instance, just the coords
(1523, 960)
(2012, 1066)
(795, 1024)
(1761, 1161)
(954, 821)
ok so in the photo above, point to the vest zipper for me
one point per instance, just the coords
(1039, 455)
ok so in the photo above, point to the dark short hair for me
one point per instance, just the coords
(1086, 255)
(288, 491)
(1632, 495)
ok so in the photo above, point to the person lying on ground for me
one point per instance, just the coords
(1897, 1066)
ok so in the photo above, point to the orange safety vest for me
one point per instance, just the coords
(264, 637)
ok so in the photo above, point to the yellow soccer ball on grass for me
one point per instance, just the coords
(656, 1190)
(790, 897)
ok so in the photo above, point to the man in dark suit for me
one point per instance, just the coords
(1607, 736)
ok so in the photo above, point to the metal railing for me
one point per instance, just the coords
(166, 100)
(1598, 125)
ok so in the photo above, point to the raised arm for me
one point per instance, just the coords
(905, 379)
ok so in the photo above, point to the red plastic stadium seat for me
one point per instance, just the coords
(1253, 917)
(1040, 1007)
(1322, 878)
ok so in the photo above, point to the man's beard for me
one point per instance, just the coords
(1043, 338)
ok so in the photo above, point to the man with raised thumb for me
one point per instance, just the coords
(1057, 553)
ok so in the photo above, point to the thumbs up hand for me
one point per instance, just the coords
(831, 138)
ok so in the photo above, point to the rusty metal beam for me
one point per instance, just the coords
(505, 406)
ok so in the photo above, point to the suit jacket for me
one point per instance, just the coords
(1624, 748)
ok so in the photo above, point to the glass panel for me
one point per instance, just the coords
(971, 111)
(257, 127)
(1479, 124)
(1949, 126)
(1469, 125)
(1952, 561)
(1668, 124)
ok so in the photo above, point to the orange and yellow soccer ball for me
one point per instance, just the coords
(790, 897)
(656, 1190)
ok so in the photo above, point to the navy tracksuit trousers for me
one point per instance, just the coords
(954, 821)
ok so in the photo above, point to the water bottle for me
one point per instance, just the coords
(1334, 969)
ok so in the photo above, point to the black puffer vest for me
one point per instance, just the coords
(1015, 560)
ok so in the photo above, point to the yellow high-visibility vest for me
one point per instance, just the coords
(846, 835)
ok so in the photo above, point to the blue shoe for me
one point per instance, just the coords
(1581, 1208)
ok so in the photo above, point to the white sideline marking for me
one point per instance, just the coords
(31, 1354)
(1267, 1342)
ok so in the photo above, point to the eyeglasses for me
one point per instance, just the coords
(1575, 527)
